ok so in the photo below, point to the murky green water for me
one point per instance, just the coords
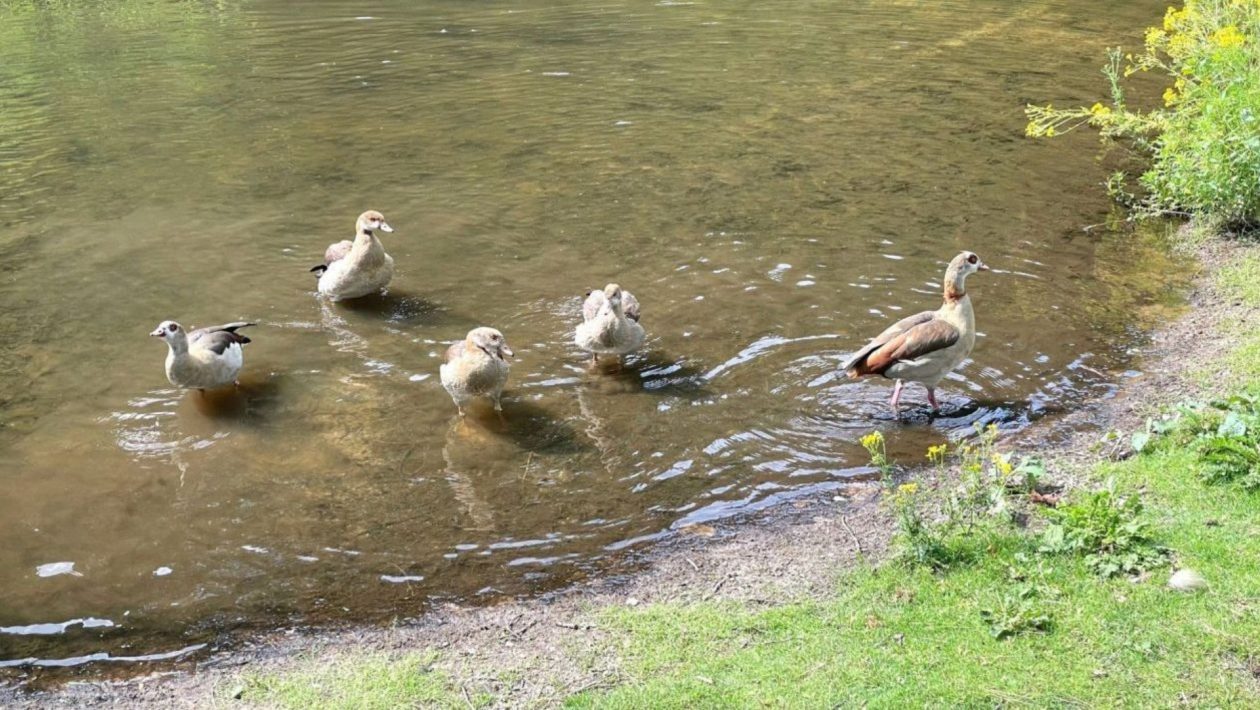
(774, 181)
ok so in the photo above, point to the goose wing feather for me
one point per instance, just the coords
(908, 339)
(630, 305)
(594, 301)
(217, 338)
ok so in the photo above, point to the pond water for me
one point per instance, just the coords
(775, 181)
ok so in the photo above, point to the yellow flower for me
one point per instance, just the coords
(1180, 46)
(1228, 36)
(872, 440)
(937, 453)
(1099, 110)
(1170, 96)
(1003, 465)
(1174, 17)
(1154, 36)
(908, 489)
(1050, 132)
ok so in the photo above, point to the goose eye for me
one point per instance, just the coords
(174, 328)
(972, 259)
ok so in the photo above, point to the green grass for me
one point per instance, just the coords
(893, 636)
(361, 681)
(1241, 281)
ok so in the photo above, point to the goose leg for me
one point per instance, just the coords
(896, 397)
(594, 359)
(936, 408)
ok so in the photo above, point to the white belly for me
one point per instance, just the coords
(609, 337)
(203, 369)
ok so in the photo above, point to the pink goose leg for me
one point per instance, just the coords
(896, 397)
(936, 408)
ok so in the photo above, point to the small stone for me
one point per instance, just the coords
(1187, 580)
(632, 602)
(238, 691)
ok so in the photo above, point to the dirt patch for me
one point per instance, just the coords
(534, 653)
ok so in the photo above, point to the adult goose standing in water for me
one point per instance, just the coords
(357, 268)
(610, 323)
(205, 358)
(476, 367)
(925, 347)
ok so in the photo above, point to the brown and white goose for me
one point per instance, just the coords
(357, 268)
(205, 358)
(610, 323)
(476, 367)
(925, 347)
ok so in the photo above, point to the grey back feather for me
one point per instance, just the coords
(337, 251)
(217, 338)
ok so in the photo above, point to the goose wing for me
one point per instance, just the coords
(594, 301)
(217, 338)
(337, 251)
(455, 351)
(630, 305)
(907, 339)
(334, 252)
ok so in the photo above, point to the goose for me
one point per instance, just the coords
(925, 347)
(475, 367)
(610, 323)
(357, 268)
(205, 358)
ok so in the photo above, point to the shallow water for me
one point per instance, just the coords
(775, 181)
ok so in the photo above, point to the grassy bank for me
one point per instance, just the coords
(1010, 621)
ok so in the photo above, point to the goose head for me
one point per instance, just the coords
(172, 332)
(962, 266)
(967, 263)
(489, 341)
(371, 221)
(612, 296)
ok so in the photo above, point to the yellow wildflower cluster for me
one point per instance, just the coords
(1174, 18)
(1228, 36)
(936, 454)
(908, 489)
(872, 441)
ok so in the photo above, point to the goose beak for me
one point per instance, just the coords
(505, 350)
(157, 333)
(983, 267)
(386, 228)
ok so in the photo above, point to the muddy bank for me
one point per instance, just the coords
(537, 652)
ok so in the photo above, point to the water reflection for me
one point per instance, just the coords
(773, 181)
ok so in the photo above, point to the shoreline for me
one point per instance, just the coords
(538, 651)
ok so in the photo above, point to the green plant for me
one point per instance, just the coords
(1224, 434)
(922, 542)
(1022, 607)
(1204, 142)
(1108, 530)
(986, 480)
(1015, 612)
